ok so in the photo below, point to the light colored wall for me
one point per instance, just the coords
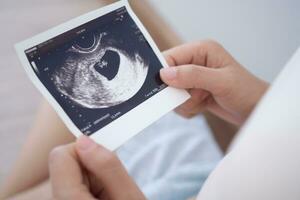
(19, 98)
(261, 34)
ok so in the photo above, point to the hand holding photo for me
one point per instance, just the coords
(100, 72)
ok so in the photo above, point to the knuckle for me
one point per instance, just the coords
(170, 56)
(209, 43)
(170, 60)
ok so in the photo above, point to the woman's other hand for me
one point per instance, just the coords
(88, 171)
(215, 80)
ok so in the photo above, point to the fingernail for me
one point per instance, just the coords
(168, 73)
(84, 143)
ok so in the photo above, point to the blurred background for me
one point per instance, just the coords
(261, 34)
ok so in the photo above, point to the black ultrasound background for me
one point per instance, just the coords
(51, 54)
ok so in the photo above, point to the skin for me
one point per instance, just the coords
(90, 172)
(30, 169)
(29, 173)
(216, 82)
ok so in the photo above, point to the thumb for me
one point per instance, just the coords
(108, 169)
(193, 76)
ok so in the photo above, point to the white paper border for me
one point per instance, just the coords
(129, 124)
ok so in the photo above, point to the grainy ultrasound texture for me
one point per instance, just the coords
(99, 70)
(100, 75)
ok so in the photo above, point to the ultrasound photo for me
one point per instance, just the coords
(98, 71)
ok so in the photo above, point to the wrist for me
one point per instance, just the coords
(258, 90)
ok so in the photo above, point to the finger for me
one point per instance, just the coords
(181, 55)
(108, 169)
(190, 113)
(194, 105)
(193, 76)
(198, 53)
(66, 175)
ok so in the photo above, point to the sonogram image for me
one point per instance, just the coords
(98, 71)
(100, 75)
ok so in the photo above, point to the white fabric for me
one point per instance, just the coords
(172, 158)
(265, 163)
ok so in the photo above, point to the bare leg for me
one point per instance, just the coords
(31, 167)
(41, 191)
(49, 131)
(162, 33)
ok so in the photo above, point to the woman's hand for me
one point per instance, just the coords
(215, 80)
(88, 171)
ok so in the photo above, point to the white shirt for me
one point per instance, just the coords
(264, 163)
